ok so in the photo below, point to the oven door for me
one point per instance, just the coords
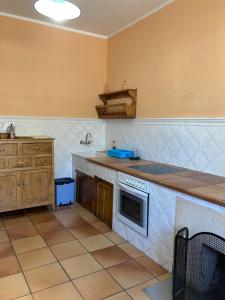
(132, 208)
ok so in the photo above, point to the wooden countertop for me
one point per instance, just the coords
(200, 185)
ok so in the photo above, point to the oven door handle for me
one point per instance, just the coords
(133, 191)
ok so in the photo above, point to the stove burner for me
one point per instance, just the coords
(156, 169)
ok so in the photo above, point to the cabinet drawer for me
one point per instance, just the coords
(19, 163)
(8, 149)
(43, 161)
(2, 163)
(36, 148)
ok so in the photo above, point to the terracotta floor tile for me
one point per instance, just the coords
(8, 266)
(29, 297)
(16, 222)
(102, 227)
(110, 256)
(21, 232)
(28, 244)
(152, 266)
(97, 286)
(137, 292)
(65, 214)
(65, 291)
(18, 283)
(129, 274)
(164, 277)
(114, 237)
(49, 226)
(45, 277)
(36, 258)
(96, 242)
(90, 218)
(80, 265)
(3, 236)
(6, 249)
(84, 231)
(120, 296)
(57, 237)
(68, 250)
(73, 221)
(42, 218)
(131, 250)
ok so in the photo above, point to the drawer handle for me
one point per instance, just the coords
(2, 150)
(37, 148)
(43, 161)
(21, 162)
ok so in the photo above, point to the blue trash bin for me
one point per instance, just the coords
(64, 191)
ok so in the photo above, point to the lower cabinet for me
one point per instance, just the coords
(9, 190)
(96, 195)
(86, 191)
(23, 189)
(104, 200)
(36, 187)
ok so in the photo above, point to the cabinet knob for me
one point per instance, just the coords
(2, 150)
(43, 161)
(37, 148)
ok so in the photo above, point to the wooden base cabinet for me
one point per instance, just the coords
(85, 191)
(26, 173)
(96, 195)
(104, 200)
(36, 187)
(9, 190)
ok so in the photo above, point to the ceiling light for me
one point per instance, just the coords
(58, 10)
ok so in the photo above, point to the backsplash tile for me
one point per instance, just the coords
(197, 145)
(67, 133)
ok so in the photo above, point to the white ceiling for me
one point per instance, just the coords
(101, 17)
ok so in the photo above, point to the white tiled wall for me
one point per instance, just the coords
(194, 144)
(67, 133)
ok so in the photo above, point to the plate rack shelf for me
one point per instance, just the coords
(117, 110)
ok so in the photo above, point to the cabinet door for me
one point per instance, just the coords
(36, 187)
(85, 191)
(104, 200)
(9, 191)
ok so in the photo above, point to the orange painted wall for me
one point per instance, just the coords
(45, 71)
(176, 59)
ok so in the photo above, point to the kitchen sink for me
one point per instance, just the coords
(156, 169)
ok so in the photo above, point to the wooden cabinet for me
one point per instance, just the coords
(85, 191)
(26, 173)
(96, 195)
(104, 200)
(36, 187)
(9, 190)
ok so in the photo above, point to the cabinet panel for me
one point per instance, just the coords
(3, 163)
(8, 149)
(19, 163)
(85, 191)
(36, 187)
(104, 200)
(36, 148)
(43, 161)
(9, 190)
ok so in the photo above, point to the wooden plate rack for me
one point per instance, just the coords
(118, 110)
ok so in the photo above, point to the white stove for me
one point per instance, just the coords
(133, 202)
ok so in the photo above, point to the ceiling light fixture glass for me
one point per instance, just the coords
(58, 10)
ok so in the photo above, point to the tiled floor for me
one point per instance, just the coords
(70, 255)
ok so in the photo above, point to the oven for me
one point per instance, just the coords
(133, 203)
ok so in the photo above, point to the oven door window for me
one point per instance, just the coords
(131, 207)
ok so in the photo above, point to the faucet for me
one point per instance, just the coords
(88, 139)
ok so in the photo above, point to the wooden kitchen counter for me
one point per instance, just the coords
(200, 185)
